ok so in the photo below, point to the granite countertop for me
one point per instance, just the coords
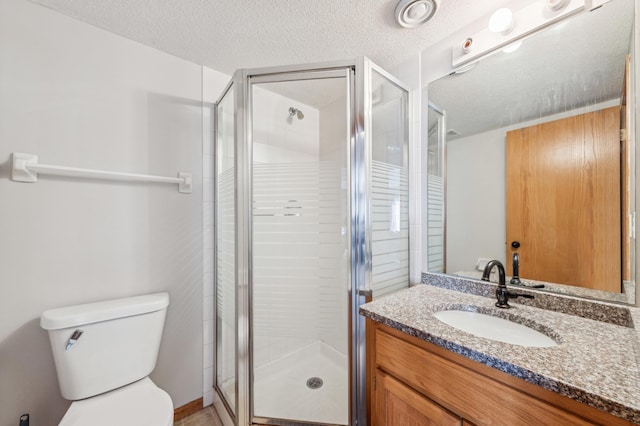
(596, 363)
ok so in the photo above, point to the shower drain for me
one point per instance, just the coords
(314, 383)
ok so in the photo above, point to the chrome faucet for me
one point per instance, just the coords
(502, 294)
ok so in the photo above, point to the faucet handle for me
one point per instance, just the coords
(503, 297)
(513, 295)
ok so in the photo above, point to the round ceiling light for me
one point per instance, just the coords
(414, 13)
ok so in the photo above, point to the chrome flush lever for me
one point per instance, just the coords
(73, 339)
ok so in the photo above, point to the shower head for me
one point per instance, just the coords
(295, 111)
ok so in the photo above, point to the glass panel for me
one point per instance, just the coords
(389, 186)
(225, 251)
(300, 250)
(435, 191)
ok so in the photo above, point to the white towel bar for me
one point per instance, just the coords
(26, 168)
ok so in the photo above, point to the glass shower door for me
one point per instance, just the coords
(389, 186)
(436, 226)
(301, 258)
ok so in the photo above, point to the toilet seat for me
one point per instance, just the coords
(141, 403)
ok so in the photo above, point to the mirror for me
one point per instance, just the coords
(535, 167)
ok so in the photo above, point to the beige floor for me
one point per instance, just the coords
(206, 417)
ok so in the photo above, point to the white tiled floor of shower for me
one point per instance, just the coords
(281, 392)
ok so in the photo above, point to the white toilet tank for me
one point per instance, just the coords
(102, 346)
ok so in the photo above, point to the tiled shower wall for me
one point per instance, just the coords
(334, 292)
(297, 296)
(297, 257)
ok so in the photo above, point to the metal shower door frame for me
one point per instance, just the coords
(261, 76)
(226, 413)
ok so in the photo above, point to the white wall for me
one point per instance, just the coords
(333, 131)
(279, 137)
(76, 95)
(475, 195)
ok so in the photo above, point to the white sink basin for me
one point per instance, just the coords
(495, 328)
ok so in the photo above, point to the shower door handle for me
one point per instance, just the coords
(366, 293)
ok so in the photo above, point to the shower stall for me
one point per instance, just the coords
(312, 220)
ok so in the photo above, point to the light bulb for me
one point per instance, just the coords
(512, 47)
(501, 21)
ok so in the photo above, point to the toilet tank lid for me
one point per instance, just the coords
(72, 316)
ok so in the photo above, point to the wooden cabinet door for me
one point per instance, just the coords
(563, 200)
(399, 405)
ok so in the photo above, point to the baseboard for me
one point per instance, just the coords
(187, 409)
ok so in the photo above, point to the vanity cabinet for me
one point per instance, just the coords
(413, 382)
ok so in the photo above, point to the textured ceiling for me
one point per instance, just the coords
(232, 34)
(557, 70)
(577, 63)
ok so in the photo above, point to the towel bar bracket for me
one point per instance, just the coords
(20, 173)
(185, 186)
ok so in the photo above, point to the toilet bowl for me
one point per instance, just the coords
(141, 403)
(103, 354)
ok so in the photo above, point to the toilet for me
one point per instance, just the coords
(103, 354)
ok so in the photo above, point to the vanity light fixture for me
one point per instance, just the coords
(501, 21)
(415, 13)
(506, 27)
